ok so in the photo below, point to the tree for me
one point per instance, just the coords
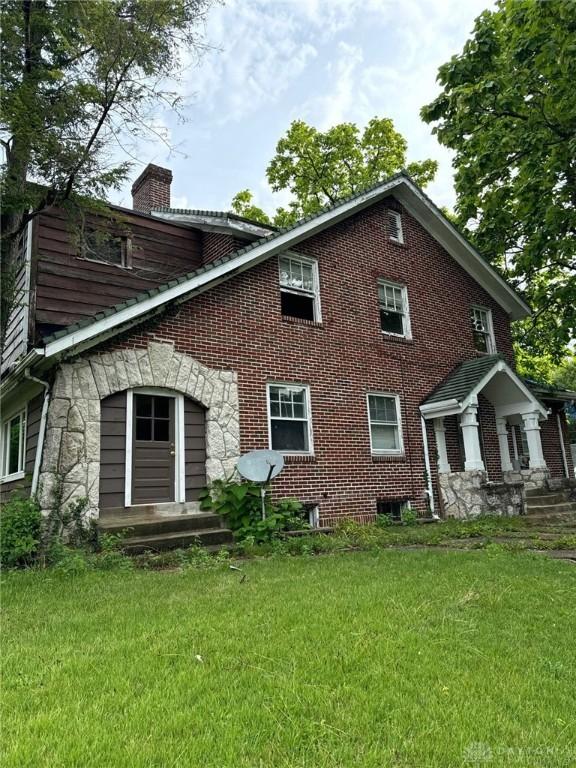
(76, 76)
(507, 109)
(321, 168)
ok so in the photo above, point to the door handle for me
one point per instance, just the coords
(172, 453)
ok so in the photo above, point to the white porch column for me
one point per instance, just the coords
(471, 438)
(532, 430)
(440, 434)
(502, 430)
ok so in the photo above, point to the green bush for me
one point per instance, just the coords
(20, 533)
(240, 504)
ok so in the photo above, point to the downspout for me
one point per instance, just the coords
(562, 446)
(41, 432)
(429, 490)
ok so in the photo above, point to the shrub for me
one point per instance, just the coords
(240, 504)
(20, 532)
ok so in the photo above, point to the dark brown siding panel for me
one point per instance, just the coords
(113, 451)
(194, 448)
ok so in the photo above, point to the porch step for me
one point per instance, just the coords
(157, 525)
(566, 519)
(209, 537)
(543, 509)
(536, 500)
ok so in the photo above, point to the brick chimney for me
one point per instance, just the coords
(152, 189)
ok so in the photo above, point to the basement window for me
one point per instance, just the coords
(394, 318)
(299, 288)
(391, 508)
(395, 232)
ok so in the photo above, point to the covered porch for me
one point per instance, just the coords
(495, 419)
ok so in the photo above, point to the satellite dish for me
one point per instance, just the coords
(260, 466)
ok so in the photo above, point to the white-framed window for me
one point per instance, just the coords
(384, 422)
(524, 448)
(395, 232)
(289, 418)
(14, 445)
(394, 315)
(483, 330)
(299, 287)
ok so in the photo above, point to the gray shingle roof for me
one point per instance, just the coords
(214, 214)
(458, 384)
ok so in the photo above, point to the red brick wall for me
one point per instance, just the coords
(217, 244)
(152, 189)
(239, 325)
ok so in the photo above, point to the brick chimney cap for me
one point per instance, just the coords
(152, 172)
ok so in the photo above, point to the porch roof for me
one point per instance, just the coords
(503, 387)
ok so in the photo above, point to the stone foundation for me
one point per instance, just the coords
(72, 442)
(466, 495)
(531, 478)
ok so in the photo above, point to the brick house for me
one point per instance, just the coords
(370, 344)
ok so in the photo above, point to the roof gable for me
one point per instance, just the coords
(134, 310)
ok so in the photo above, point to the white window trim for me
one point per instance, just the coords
(296, 385)
(386, 451)
(398, 218)
(406, 324)
(180, 464)
(315, 294)
(491, 337)
(21, 473)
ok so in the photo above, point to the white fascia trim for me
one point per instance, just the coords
(502, 367)
(220, 224)
(470, 260)
(260, 252)
(441, 408)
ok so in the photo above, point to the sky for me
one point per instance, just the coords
(323, 61)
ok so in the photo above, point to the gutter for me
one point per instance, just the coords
(41, 432)
(429, 490)
(14, 376)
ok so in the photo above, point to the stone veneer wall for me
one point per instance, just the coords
(466, 495)
(531, 478)
(72, 443)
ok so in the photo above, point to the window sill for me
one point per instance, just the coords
(301, 321)
(297, 458)
(388, 457)
(11, 478)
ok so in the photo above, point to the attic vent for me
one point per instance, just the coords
(395, 227)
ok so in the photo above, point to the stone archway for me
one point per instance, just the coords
(72, 443)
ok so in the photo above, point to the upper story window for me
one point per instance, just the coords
(13, 444)
(102, 246)
(395, 232)
(394, 317)
(289, 418)
(483, 330)
(299, 288)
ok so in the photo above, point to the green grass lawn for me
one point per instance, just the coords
(391, 658)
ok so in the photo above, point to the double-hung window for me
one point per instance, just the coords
(385, 426)
(394, 317)
(299, 288)
(103, 246)
(483, 330)
(13, 444)
(289, 418)
(395, 232)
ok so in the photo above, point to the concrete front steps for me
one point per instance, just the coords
(155, 528)
(551, 507)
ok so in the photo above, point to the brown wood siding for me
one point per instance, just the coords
(194, 448)
(34, 416)
(70, 288)
(112, 450)
(16, 340)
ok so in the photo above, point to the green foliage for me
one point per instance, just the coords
(507, 109)
(408, 515)
(20, 532)
(195, 558)
(320, 168)
(240, 504)
(76, 76)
